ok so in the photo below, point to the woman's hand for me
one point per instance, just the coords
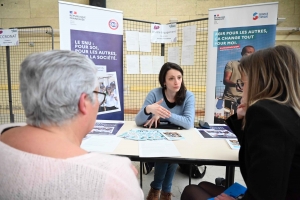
(154, 119)
(224, 196)
(158, 110)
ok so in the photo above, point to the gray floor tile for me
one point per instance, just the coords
(181, 180)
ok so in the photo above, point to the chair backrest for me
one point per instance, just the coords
(5, 127)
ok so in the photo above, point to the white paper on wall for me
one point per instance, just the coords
(145, 42)
(189, 35)
(132, 40)
(158, 62)
(146, 65)
(187, 55)
(132, 64)
(173, 55)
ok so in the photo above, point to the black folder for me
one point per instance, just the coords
(166, 125)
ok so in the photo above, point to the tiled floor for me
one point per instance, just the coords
(180, 180)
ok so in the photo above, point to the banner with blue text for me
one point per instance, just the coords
(98, 34)
(234, 32)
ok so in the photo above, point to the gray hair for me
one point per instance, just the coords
(51, 84)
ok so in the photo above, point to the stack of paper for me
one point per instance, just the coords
(161, 148)
(142, 135)
(233, 143)
(151, 134)
(100, 143)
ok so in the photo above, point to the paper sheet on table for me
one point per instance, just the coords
(102, 143)
(158, 148)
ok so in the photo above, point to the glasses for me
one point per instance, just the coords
(101, 96)
(240, 84)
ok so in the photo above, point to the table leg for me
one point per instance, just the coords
(141, 174)
(190, 174)
(229, 176)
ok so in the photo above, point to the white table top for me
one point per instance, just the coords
(193, 147)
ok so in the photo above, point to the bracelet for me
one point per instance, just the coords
(146, 112)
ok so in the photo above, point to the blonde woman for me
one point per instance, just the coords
(267, 125)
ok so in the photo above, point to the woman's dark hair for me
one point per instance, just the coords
(180, 95)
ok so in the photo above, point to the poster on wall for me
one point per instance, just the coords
(98, 34)
(9, 37)
(234, 32)
(164, 33)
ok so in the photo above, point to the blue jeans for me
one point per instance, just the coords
(163, 176)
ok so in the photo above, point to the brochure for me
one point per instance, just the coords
(102, 127)
(142, 134)
(172, 135)
(233, 143)
(221, 131)
(236, 191)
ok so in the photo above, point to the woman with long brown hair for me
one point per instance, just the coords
(171, 102)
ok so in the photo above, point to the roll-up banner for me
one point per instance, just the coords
(98, 34)
(234, 32)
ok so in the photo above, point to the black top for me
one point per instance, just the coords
(269, 156)
(170, 105)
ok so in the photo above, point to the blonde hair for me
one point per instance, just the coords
(273, 74)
